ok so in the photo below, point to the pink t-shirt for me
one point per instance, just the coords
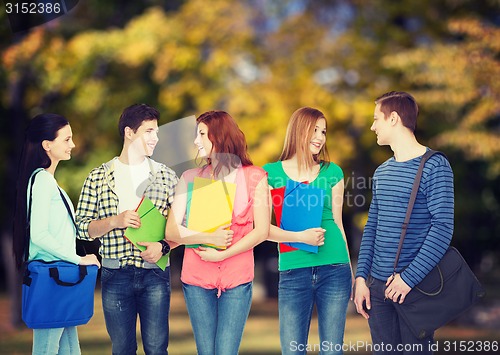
(238, 269)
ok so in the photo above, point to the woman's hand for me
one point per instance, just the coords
(90, 259)
(313, 236)
(210, 254)
(222, 236)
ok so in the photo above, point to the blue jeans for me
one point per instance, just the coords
(329, 287)
(132, 291)
(56, 341)
(387, 328)
(218, 322)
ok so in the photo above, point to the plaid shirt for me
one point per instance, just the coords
(98, 200)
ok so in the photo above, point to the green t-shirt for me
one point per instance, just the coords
(334, 251)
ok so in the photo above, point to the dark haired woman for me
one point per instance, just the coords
(217, 284)
(52, 233)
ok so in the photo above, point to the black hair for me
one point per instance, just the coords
(134, 115)
(42, 127)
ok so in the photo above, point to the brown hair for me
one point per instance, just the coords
(134, 115)
(403, 104)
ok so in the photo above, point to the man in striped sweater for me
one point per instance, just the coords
(429, 231)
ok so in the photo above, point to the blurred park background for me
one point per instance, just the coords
(260, 60)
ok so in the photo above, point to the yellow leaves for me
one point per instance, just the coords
(85, 44)
(25, 50)
(89, 97)
(218, 22)
(479, 33)
(479, 145)
(177, 96)
(174, 58)
(134, 45)
(480, 113)
(142, 38)
(441, 65)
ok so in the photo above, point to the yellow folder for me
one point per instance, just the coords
(210, 206)
(152, 228)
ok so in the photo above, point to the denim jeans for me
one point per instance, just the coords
(132, 291)
(218, 322)
(387, 328)
(329, 287)
(56, 341)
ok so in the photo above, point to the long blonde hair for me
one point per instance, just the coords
(298, 136)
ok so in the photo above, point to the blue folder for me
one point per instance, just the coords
(302, 209)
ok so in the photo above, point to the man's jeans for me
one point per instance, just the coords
(390, 335)
(131, 291)
(329, 287)
(218, 322)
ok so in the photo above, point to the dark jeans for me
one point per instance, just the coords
(132, 291)
(390, 335)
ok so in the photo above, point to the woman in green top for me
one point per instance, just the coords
(307, 278)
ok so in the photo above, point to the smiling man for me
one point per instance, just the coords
(428, 234)
(132, 284)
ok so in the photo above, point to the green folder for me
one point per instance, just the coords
(152, 228)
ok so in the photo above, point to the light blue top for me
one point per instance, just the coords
(53, 235)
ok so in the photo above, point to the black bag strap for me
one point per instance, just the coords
(80, 248)
(411, 202)
(67, 208)
(54, 273)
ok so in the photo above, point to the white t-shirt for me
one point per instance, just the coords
(130, 183)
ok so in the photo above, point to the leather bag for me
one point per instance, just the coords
(447, 291)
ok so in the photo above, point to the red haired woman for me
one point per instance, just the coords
(217, 284)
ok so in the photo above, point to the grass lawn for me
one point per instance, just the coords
(261, 333)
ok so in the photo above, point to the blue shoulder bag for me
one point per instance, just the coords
(57, 294)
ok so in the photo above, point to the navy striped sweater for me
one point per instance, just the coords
(431, 225)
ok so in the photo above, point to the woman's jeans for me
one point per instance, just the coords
(56, 341)
(390, 334)
(329, 287)
(218, 322)
(132, 291)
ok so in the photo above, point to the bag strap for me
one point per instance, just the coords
(411, 202)
(67, 208)
(54, 273)
(80, 248)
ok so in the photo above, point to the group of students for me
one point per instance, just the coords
(217, 283)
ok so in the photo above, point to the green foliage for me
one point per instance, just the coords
(261, 61)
